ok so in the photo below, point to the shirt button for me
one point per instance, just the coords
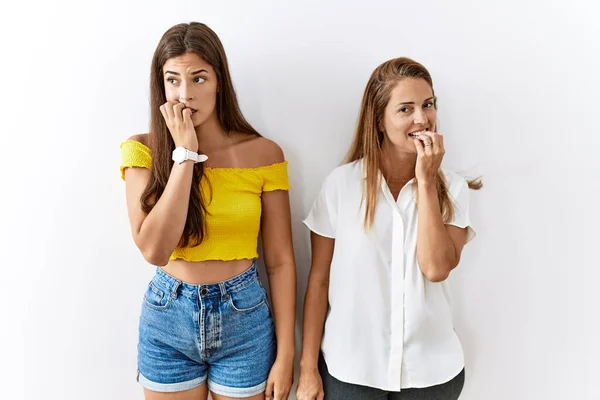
(203, 291)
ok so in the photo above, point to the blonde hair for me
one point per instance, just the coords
(368, 138)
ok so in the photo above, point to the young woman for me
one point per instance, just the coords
(386, 230)
(200, 186)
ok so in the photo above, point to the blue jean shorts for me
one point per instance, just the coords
(221, 333)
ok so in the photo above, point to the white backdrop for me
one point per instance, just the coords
(517, 83)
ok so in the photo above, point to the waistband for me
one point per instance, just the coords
(175, 287)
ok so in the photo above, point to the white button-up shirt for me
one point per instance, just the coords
(387, 326)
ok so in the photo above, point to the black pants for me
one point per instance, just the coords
(338, 390)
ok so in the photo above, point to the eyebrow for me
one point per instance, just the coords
(412, 102)
(193, 73)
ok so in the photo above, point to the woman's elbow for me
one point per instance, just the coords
(153, 254)
(154, 257)
(437, 272)
(436, 276)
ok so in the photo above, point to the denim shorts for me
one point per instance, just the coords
(221, 333)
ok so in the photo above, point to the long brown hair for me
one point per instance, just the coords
(368, 138)
(195, 38)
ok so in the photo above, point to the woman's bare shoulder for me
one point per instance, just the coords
(259, 151)
(142, 138)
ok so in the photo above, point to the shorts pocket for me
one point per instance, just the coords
(248, 299)
(156, 299)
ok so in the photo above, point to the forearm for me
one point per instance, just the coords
(162, 228)
(436, 254)
(282, 281)
(315, 311)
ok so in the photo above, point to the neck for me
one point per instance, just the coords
(397, 164)
(211, 136)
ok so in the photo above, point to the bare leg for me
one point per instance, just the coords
(260, 396)
(199, 393)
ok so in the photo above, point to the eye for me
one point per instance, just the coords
(404, 110)
(172, 81)
(429, 104)
(199, 79)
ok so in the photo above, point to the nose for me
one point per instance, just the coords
(185, 94)
(420, 117)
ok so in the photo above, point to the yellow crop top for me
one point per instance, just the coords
(232, 201)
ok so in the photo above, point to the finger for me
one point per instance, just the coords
(427, 133)
(428, 140)
(269, 391)
(177, 111)
(428, 147)
(428, 150)
(169, 109)
(437, 140)
(419, 146)
(277, 393)
(440, 142)
(321, 396)
(424, 139)
(163, 111)
(428, 137)
(284, 394)
(187, 116)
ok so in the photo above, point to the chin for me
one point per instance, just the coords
(197, 120)
(407, 147)
(401, 143)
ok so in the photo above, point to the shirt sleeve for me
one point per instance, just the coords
(275, 177)
(460, 194)
(134, 154)
(322, 217)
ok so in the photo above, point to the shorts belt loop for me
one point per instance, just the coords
(224, 294)
(174, 289)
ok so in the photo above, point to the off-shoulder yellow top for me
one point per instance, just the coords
(232, 197)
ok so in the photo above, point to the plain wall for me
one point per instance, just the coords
(517, 83)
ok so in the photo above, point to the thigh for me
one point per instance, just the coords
(241, 366)
(215, 396)
(168, 357)
(337, 390)
(446, 391)
(199, 393)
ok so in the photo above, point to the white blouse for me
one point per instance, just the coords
(387, 326)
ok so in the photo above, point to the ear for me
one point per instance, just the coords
(379, 121)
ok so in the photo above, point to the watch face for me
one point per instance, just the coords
(179, 155)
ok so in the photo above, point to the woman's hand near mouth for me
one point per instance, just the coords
(178, 118)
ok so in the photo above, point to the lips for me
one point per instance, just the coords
(417, 133)
(193, 110)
